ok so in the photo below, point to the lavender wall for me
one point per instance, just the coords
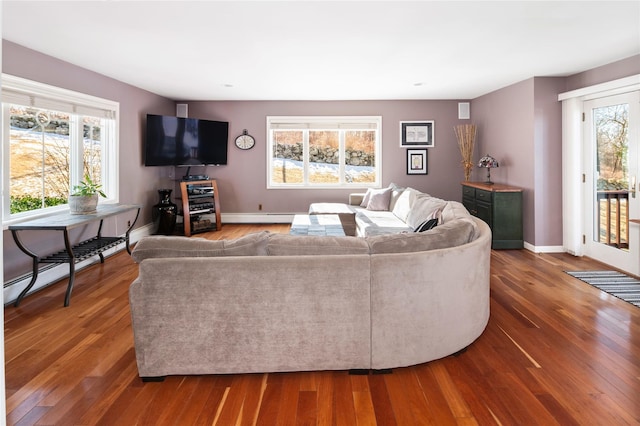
(506, 132)
(521, 125)
(547, 154)
(137, 183)
(612, 71)
(242, 183)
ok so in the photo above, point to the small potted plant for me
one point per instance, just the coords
(84, 198)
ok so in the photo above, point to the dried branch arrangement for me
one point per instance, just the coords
(466, 134)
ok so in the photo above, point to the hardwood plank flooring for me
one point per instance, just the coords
(556, 352)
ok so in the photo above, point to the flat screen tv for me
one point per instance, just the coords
(177, 141)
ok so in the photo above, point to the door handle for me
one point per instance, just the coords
(633, 187)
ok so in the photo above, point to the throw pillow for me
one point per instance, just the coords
(365, 199)
(379, 199)
(396, 192)
(426, 225)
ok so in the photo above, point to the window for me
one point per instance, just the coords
(323, 152)
(52, 139)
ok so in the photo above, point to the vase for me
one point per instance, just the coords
(83, 204)
(164, 213)
(468, 166)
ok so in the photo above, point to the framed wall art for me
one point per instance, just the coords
(416, 161)
(418, 134)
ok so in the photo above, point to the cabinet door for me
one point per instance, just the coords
(469, 199)
(508, 213)
(483, 211)
(469, 204)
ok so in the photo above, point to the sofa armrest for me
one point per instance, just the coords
(355, 198)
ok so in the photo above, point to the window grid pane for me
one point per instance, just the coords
(40, 158)
(324, 156)
(309, 152)
(288, 155)
(92, 148)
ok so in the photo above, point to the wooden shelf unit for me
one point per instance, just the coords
(200, 198)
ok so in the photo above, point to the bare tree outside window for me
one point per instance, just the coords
(611, 124)
(40, 152)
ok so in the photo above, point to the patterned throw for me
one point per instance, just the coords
(615, 283)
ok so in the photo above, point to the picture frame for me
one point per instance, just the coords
(417, 162)
(417, 134)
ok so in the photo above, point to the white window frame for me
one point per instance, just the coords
(20, 91)
(340, 123)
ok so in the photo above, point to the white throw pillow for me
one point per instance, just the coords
(379, 199)
(366, 198)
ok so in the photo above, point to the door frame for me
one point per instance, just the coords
(626, 260)
(572, 155)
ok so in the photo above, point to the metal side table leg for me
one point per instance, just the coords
(34, 275)
(72, 268)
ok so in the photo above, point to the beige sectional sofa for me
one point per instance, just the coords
(392, 210)
(272, 302)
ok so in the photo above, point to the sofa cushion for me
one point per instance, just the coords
(424, 207)
(396, 192)
(454, 210)
(371, 222)
(168, 246)
(451, 234)
(366, 198)
(173, 246)
(313, 245)
(330, 208)
(254, 244)
(404, 202)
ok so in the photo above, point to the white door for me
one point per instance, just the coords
(611, 165)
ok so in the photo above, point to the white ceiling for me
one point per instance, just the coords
(321, 50)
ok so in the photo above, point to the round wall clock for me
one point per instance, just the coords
(245, 140)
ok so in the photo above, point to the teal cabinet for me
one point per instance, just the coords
(501, 207)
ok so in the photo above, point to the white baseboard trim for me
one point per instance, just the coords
(257, 217)
(12, 289)
(544, 249)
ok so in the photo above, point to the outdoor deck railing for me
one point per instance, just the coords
(613, 218)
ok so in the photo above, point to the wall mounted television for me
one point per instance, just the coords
(178, 141)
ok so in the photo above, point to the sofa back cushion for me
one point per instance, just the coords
(403, 204)
(313, 245)
(424, 207)
(454, 210)
(156, 246)
(450, 234)
(396, 192)
(254, 244)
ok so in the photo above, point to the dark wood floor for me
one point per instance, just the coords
(556, 352)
